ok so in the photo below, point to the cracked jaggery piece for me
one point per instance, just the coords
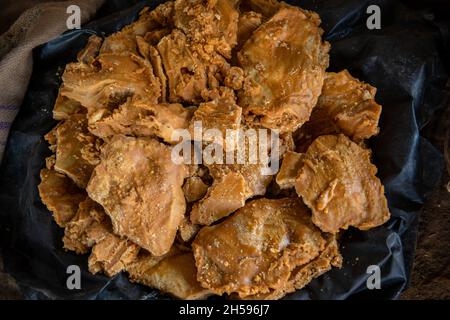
(257, 249)
(90, 51)
(60, 195)
(139, 187)
(346, 105)
(255, 182)
(174, 273)
(73, 144)
(65, 107)
(112, 255)
(155, 59)
(109, 81)
(248, 22)
(290, 167)
(210, 23)
(232, 185)
(193, 74)
(338, 182)
(284, 63)
(151, 54)
(89, 226)
(187, 230)
(304, 274)
(143, 120)
(185, 72)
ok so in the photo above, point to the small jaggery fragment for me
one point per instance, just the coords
(187, 230)
(194, 189)
(224, 197)
(290, 167)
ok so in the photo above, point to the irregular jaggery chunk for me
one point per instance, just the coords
(338, 182)
(91, 227)
(219, 114)
(255, 182)
(174, 273)
(186, 73)
(60, 195)
(346, 105)
(139, 187)
(258, 248)
(284, 63)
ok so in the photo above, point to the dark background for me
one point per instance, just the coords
(431, 271)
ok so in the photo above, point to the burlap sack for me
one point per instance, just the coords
(34, 27)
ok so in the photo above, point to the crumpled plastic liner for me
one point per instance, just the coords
(403, 60)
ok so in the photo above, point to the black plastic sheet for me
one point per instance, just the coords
(404, 60)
